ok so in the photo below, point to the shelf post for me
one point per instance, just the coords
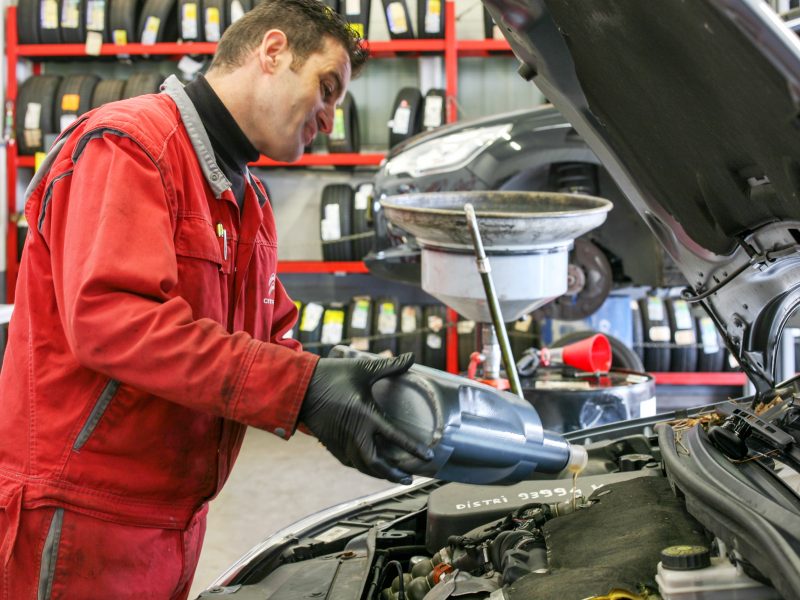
(11, 264)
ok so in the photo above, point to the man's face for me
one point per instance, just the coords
(300, 102)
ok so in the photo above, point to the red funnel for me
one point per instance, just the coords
(592, 355)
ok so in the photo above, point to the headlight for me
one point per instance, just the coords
(446, 153)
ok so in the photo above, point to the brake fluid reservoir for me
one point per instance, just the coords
(478, 434)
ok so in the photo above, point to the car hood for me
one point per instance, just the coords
(693, 108)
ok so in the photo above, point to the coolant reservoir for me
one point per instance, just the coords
(479, 435)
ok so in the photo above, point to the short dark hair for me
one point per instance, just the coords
(306, 24)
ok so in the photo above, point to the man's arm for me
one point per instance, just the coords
(114, 265)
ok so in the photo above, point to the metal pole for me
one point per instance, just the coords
(485, 270)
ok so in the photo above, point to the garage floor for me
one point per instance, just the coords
(273, 484)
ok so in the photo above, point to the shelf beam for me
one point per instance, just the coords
(315, 266)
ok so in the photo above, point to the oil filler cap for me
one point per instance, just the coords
(685, 558)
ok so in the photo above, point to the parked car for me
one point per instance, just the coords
(692, 108)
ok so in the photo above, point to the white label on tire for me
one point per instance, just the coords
(396, 18)
(683, 316)
(150, 33)
(338, 133)
(332, 326)
(49, 14)
(189, 21)
(66, 121)
(523, 325)
(402, 120)
(96, 15)
(33, 115)
(684, 337)
(361, 200)
(465, 327)
(237, 11)
(433, 16)
(312, 314)
(435, 323)
(330, 226)
(408, 319)
(659, 333)
(352, 7)
(434, 340)
(94, 43)
(213, 28)
(33, 137)
(655, 308)
(71, 14)
(387, 319)
(433, 112)
(360, 344)
(708, 336)
(358, 320)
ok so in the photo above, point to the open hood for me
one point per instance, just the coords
(693, 108)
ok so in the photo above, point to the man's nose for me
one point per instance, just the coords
(325, 119)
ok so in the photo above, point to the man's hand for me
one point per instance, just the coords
(340, 411)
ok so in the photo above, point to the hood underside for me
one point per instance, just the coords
(693, 108)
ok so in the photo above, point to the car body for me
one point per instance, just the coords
(692, 108)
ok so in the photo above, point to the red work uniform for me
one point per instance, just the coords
(147, 332)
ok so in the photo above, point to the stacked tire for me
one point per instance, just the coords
(345, 222)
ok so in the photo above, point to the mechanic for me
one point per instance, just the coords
(149, 327)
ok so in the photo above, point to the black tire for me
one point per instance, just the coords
(142, 83)
(406, 116)
(359, 322)
(411, 335)
(236, 9)
(28, 21)
(488, 25)
(430, 19)
(97, 15)
(434, 352)
(683, 336)
(656, 334)
(50, 21)
(398, 19)
(158, 22)
(37, 94)
(467, 331)
(359, 21)
(108, 90)
(362, 221)
(336, 213)
(74, 98)
(345, 137)
(123, 21)
(711, 348)
(214, 19)
(622, 357)
(333, 327)
(310, 329)
(190, 20)
(434, 109)
(73, 21)
(638, 330)
(385, 322)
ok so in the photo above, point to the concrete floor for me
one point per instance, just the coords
(273, 484)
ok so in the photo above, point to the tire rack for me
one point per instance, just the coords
(449, 46)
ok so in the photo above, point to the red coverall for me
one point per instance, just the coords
(138, 349)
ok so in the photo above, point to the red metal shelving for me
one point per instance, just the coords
(314, 266)
(307, 160)
(481, 47)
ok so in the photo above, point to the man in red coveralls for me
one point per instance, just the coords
(149, 323)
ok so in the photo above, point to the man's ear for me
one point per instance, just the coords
(273, 50)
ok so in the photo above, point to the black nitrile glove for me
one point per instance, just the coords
(340, 411)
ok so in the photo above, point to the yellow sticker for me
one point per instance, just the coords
(150, 33)
(434, 7)
(212, 15)
(190, 10)
(38, 159)
(333, 317)
(358, 28)
(120, 37)
(70, 102)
